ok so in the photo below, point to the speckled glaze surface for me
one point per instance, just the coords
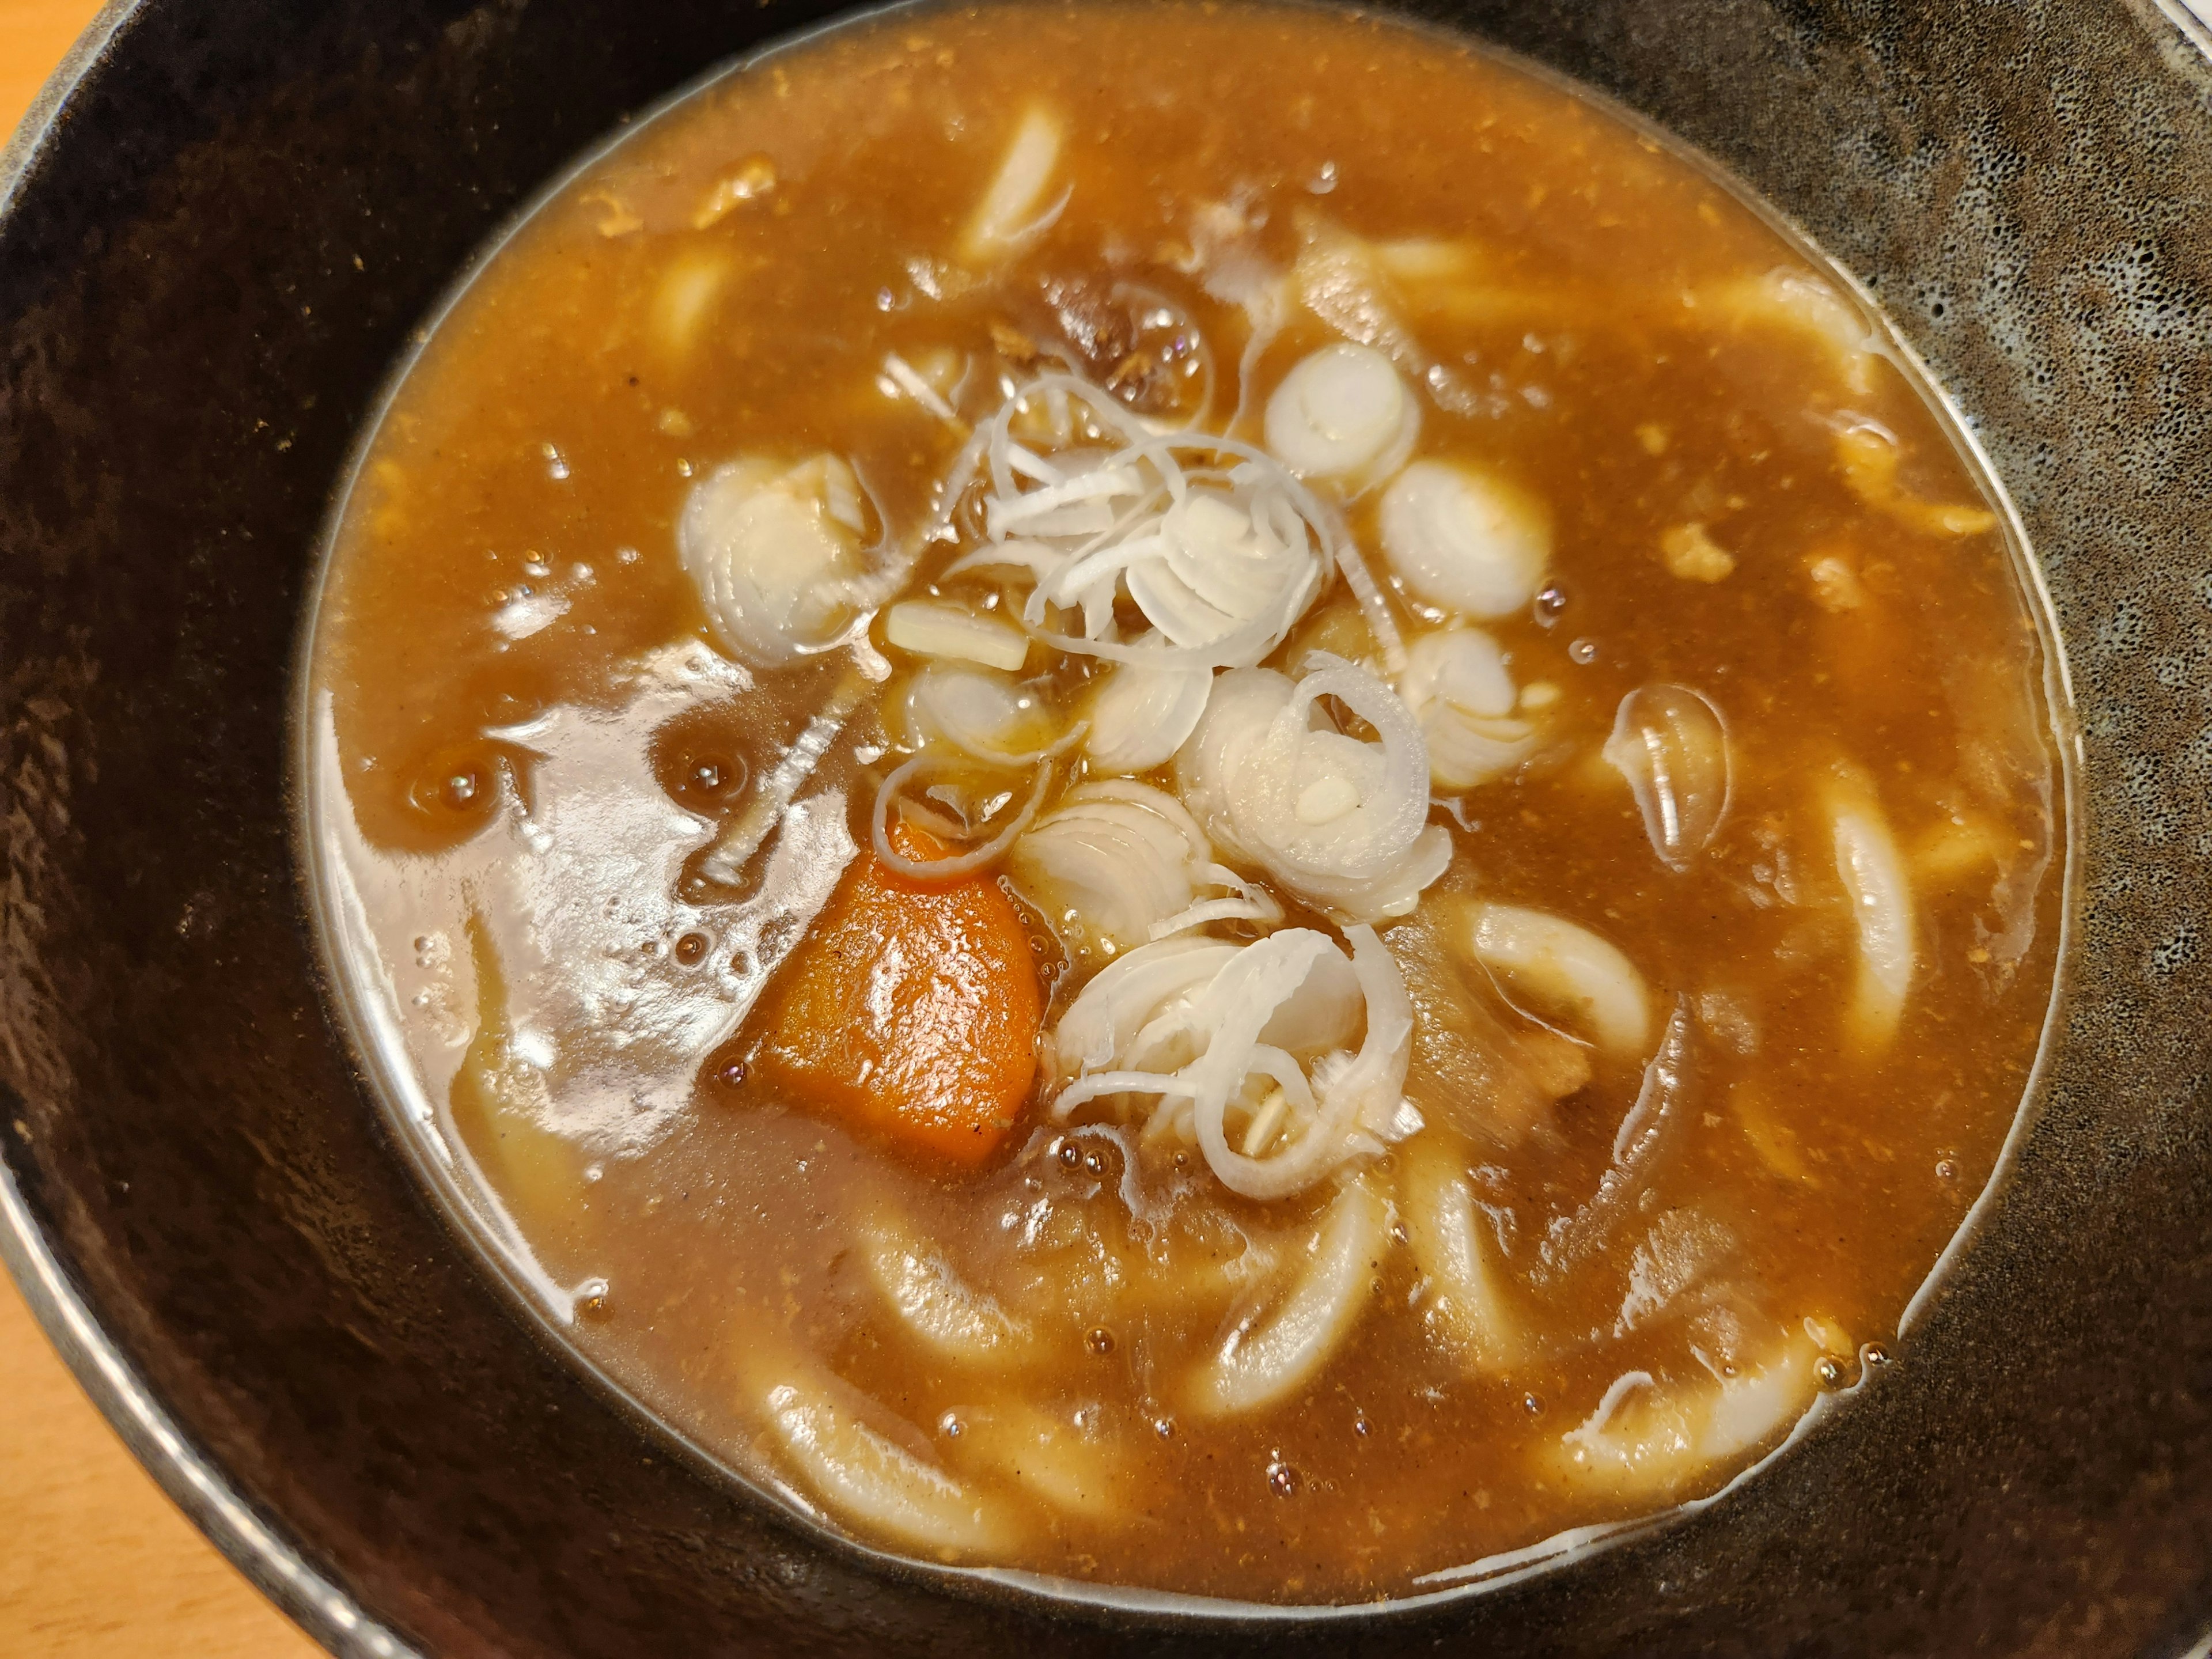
(211, 251)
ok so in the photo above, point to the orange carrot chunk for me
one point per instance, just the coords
(911, 1010)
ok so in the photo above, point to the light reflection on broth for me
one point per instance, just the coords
(1246, 816)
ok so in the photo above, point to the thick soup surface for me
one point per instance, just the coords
(1202, 798)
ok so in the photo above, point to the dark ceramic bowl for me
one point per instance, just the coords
(219, 228)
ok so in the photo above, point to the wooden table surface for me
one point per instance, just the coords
(95, 1563)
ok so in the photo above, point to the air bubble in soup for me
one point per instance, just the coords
(1198, 797)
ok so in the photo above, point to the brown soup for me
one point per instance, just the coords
(1200, 797)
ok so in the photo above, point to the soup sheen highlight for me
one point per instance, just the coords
(1200, 799)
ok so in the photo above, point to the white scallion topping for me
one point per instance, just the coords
(1216, 543)
(1142, 712)
(1456, 685)
(1340, 821)
(1116, 861)
(1669, 743)
(774, 550)
(1344, 413)
(1463, 542)
(979, 854)
(1218, 1031)
(907, 380)
(944, 627)
(986, 715)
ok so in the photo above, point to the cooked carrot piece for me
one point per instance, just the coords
(911, 1010)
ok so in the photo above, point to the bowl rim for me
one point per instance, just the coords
(192, 1478)
(186, 1475)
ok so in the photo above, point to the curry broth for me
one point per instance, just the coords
(503, 793)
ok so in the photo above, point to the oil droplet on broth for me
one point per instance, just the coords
(452, 785)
